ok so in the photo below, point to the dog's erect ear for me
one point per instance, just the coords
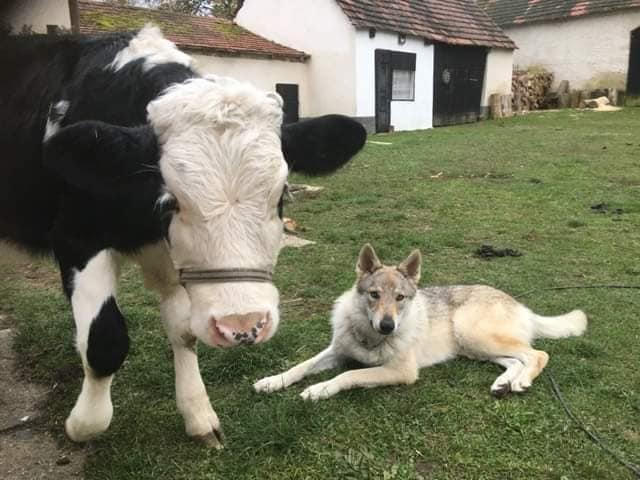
(410, 268)
(368, 261)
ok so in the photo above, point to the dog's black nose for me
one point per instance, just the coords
(387, 325)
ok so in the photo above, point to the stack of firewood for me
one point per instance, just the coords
(530, 89)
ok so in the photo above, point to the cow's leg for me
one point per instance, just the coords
(201, 421)
(101, 338)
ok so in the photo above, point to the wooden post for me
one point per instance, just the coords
(495, 105)
(506, 109)
(575, 98)
(74, 16)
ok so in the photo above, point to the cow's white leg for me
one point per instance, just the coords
(101, 341)
(201, 421)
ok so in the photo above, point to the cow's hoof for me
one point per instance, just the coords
(214, 439)
(82, 428)
(202, 422)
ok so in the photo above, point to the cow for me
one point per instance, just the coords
(114, 147)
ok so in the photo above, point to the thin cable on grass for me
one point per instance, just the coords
(593, 435)
(575, 287)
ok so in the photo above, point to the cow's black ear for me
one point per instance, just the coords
(103, 158)
(321, 145)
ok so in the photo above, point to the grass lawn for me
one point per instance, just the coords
(526, 183)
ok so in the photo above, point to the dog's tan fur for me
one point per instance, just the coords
(430, 325)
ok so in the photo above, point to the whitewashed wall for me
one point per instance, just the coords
(38, 14)
(263, 73)
(319, 28)
(497, 74)
(590, 52)
(405, 115)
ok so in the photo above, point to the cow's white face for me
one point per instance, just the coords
(221, 159)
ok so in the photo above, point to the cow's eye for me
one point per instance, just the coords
(171, 205)
(375, 295)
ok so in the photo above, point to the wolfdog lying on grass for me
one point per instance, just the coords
(394, 328)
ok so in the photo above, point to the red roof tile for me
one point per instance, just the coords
(456, 22)
(210, 34)
(516, 12)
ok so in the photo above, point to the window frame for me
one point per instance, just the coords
(404, 61)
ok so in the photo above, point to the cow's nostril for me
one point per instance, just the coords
(247, 328)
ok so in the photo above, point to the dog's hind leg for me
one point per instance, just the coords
(513, 368)
(498, 330)
(323, 361)
(533, 362)
(537, 361)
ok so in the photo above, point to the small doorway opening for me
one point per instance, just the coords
(291, 107)
(633, 76)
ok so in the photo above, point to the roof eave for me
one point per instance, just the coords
(226, 52)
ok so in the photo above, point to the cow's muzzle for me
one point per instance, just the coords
(247, 329)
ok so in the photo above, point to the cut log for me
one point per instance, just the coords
(575, 98)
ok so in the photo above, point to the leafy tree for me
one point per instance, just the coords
(216, 8)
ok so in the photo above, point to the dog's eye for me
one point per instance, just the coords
(375, 295)
(399, 298)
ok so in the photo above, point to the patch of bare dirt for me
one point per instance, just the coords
(28, 451)
(37, 272)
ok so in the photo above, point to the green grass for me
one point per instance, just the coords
(526, 183)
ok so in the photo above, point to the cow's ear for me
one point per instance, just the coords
(321, 145)
(103, 158)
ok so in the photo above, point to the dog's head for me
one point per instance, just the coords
(386, 291)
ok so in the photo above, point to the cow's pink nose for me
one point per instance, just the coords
(248, 329)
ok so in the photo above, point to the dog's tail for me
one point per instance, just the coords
(570, 324)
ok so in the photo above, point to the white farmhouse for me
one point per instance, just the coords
(403, 64)
(591, 43)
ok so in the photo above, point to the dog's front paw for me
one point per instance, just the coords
(270, 384)
(319, 391)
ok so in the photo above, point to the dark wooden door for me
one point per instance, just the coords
(633, 77)
(383, 90)
(457, 86)
(291, 107)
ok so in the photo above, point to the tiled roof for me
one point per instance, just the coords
(514, 12)
(209, 34)
(456, 22)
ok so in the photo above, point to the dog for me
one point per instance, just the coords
(394, 328)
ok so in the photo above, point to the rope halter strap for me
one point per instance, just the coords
(226, 275)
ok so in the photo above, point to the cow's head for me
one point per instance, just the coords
(218, 156)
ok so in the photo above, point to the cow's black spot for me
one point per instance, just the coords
(108, 340)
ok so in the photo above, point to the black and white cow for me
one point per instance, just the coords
(114, 147)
